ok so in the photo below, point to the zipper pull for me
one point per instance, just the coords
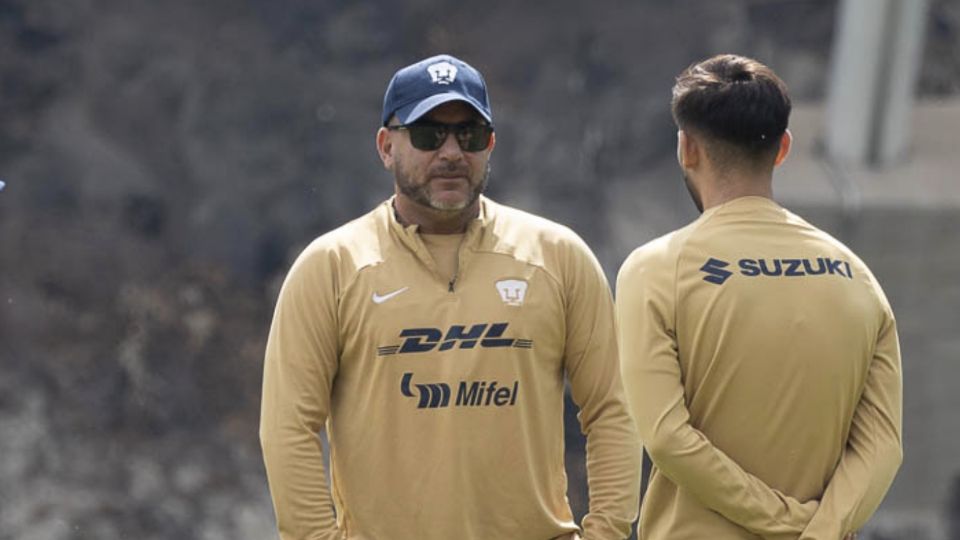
(452, 282)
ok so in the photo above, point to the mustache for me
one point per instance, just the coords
(450, 169)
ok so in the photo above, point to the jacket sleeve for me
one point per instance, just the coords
(874, 448)
(654, 387)
(300, 365)
(591, 364)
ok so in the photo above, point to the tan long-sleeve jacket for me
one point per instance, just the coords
(443, 400)
(761, 363)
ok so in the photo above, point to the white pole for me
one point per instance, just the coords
(876, 56)
(901, 78)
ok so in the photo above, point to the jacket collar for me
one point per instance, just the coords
(408, 234)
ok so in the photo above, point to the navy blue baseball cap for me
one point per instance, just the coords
(418, 88)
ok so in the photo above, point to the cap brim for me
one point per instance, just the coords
(413, 112)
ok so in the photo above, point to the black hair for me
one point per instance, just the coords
(734, 100)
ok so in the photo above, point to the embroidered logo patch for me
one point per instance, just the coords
(442, 72)
(512, 291)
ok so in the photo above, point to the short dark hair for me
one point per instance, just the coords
(734, 100)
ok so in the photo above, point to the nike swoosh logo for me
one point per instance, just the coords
(377, 299)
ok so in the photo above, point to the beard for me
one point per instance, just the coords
(423, 195)
(697, 200)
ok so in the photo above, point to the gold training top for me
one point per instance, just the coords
(761, 364)
(443, 398)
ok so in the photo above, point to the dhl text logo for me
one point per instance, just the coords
(489, 335)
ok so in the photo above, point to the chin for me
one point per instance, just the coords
(449, 201)
(448, 205)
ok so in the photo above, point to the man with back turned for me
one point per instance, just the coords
(759, 354)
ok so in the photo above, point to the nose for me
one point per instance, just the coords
(450, 149)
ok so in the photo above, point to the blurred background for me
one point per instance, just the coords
(164, 163)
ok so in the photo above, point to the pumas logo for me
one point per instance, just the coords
(714, 268)
(442, 72)
(512, 291)
(427, 339)
(469, 393)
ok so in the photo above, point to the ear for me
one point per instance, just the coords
(688, 150)
(493, 142)
(385, 147)
(786, 142)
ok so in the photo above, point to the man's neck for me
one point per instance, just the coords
(724, 189)
(431, 220)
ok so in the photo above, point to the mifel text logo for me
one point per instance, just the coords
(469, 393)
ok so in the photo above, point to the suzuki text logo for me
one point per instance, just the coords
(714, 268)
(469, 393)
(485, 335)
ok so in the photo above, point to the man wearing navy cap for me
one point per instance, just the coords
(431, 338)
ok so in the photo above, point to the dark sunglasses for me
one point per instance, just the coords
(428, 136)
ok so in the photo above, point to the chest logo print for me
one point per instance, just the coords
(458, 336)
(512, 291)
(378, 299)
